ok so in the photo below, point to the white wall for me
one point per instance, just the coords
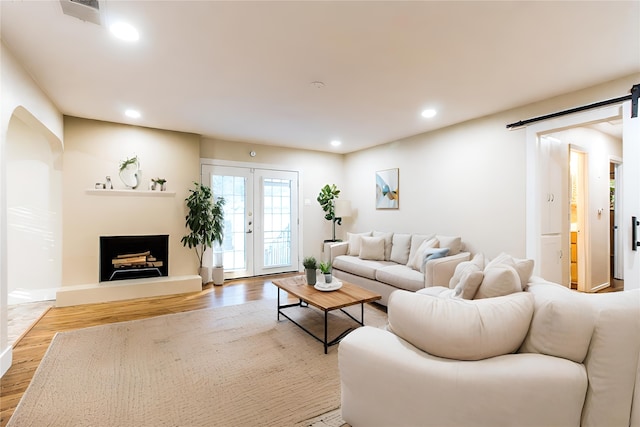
(317, 169)
(22, 97)
(94, 150)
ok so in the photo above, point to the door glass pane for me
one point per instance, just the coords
(277, 222)
(233, 189)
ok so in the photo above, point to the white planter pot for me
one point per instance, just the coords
(205, 274)
(218, 275)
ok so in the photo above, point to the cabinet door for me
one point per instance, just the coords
(554, 188)
(551, 258)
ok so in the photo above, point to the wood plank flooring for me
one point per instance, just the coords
(30, 349)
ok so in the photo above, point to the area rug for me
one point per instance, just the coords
(229, 366)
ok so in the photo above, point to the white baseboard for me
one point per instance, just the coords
(6, 358)
(599, 287)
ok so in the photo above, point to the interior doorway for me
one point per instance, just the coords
(577, 216)
(615, 236)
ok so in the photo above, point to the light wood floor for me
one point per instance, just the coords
(31, 347)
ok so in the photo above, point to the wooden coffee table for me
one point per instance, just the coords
(348, 295)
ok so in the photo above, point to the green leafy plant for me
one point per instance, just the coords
(325, 267)
(205, 220)
(159, 180)
(310, 263)
(127, 162)
(326, 198)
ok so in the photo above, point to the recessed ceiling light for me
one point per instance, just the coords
(124, 31)
(336, 143)
(428, 113)
(134, 114)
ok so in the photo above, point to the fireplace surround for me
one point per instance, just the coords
(133, 257)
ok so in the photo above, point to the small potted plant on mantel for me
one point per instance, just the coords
(205, 221)
(310, 264)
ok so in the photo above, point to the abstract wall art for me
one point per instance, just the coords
(387, 189)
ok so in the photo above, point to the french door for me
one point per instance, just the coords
(261, 218)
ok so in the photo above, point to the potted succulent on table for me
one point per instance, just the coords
(205, 221)
(310, 264)
(325, 268)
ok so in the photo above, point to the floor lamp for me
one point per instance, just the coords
(342, 210)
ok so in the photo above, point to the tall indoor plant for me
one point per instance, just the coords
(327, 199)
(205, 221)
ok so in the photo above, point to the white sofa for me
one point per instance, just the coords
(384, 261)
(548, 356)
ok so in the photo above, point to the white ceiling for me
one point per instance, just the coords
(242, 70)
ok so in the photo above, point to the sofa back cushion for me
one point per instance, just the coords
(562, 323)
(354, 242)
(401, 244)
(524, 267)
(461, 329)
(388, 243)
(454, 243)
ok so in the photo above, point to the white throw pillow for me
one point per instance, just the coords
(418, 257)
(401, 243)
(562, 324)
(416, 241)
(372, 248)
(524, 267)
(354, 242)
(476, 264)
(498, 281)
(453, 243)
(387, 243)
(461, 329)
(469, 284)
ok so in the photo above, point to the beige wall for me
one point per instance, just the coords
(468, 179)
(316, 169)
(94, 150)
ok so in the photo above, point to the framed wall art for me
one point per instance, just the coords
(387, 189)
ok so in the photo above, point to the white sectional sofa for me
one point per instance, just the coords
(384, 262)
(547, 356)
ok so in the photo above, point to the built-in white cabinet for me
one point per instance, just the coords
(554, 183)
(551, 257)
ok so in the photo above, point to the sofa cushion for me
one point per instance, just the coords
(416, 260)
(401, 277)
(354, 242)
(461, 329)
(388, 240)
(498, 281)
(562, 323)
(453, 243)
(476, 264)
(524, 267)
(401, 243)
(469, 284)
(372, 248)
(359, 267)
(416, 241)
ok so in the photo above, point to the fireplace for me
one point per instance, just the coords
(133, 257)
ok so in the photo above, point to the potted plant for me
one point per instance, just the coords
(205, 222)
(326, 198)
(310, 264)
(325, 268)
(161, 182)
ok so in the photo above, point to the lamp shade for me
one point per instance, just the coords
(343, 208)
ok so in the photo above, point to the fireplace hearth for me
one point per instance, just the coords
(133, 257)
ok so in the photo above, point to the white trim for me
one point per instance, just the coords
(6, 359)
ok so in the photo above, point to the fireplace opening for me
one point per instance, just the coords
(133, 257)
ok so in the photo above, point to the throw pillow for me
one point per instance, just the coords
(453, 243)
(401, 243)
(524, 267)
(469, 284)
(498, 281)
(418, 257)
(387, 243)
(461, 329)
(416, 241)
(476, 264)
(354, 242)
(432, 253)
(372, 248)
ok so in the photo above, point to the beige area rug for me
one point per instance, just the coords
(229, 366)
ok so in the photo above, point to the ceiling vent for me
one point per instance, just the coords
(85, 10)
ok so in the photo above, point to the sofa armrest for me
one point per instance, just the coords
(385, 381)
(336, 249)
(439, 271)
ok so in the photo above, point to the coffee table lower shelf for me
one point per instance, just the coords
(324, 340)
